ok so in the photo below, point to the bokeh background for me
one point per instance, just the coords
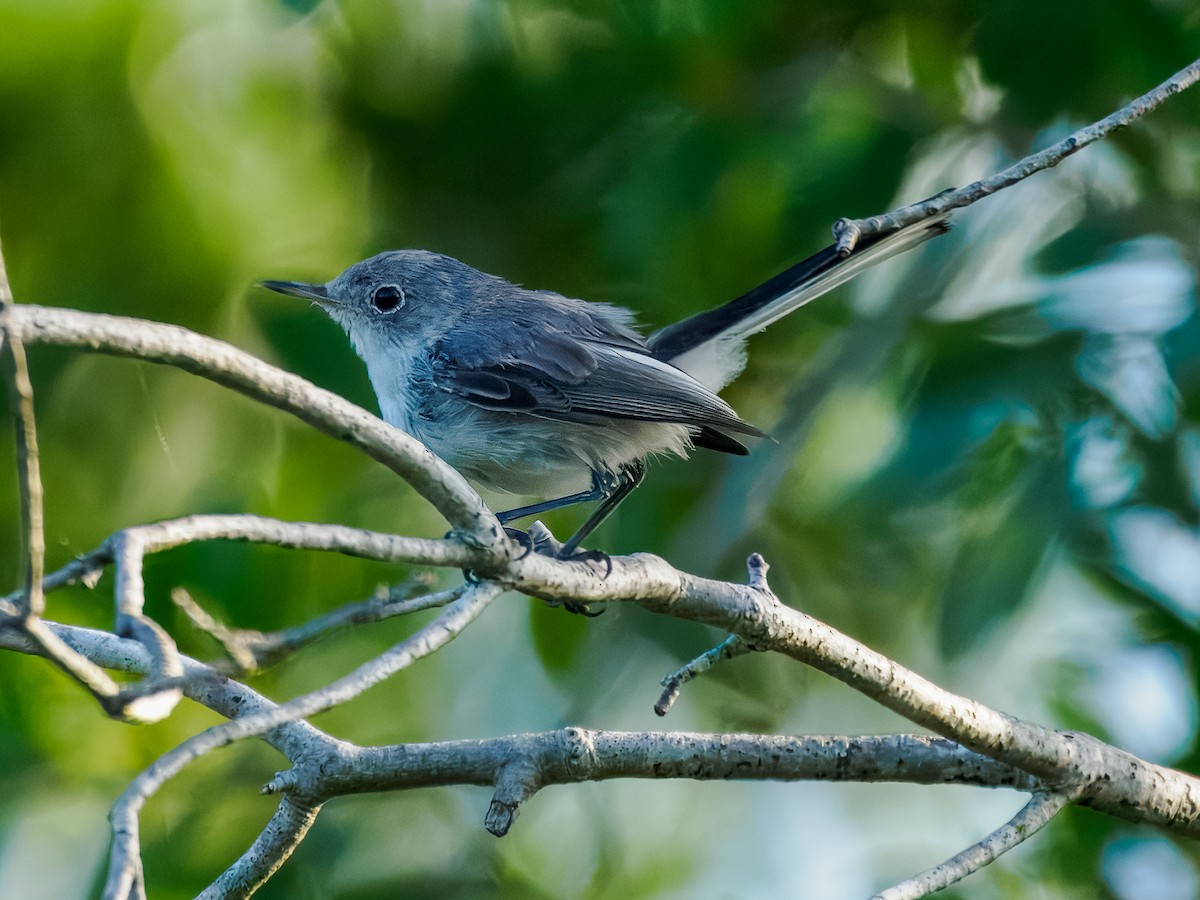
(987, 454)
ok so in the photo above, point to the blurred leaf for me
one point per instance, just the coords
(1159, 554)
(1131, 372)
(1011, 512)
(1103, 470)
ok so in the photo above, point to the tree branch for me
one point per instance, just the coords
(1037, 813)
(237, 370)
(124, 816)
(730, 648)
(270, 850)
(325, 767)
(848, 232)
(1117, 782)
(127, 550)
(25, 610)
(251, 649)
(172, 533)
(20, 393)
(521, 764)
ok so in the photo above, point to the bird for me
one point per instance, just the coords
(534, 393)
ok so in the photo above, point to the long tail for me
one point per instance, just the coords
(710, 346)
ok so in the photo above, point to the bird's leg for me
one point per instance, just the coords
(615, 488)
(597, 491)
(611, 488)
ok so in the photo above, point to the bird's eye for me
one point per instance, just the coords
(387, 298)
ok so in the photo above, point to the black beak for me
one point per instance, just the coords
(315, 292)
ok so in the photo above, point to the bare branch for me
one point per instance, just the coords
(1040, 809)
(201, 683)
(270, 850)
(127, 550)
(85, 570)
(237, 370)
(28, 606)
(20, 392)
(428, 640)
(573, 755)
(733, 646)
(1159, 795)
(167, 535)
(235, 641)
(327, 767)
(252, 650)
(849, 231)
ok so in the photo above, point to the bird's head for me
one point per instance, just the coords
(405, 297)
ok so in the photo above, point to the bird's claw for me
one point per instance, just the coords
(582, 609)
(521, 538)
(539, 540)
(546, 544)
(583, 556)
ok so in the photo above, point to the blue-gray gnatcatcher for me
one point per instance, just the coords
(539, 394)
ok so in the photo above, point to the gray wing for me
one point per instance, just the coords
(590, 379)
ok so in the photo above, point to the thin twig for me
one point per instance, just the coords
(326, 538)
(129, 553)
(85, 570)
(173, 533)
(848, 232)
(127, 550)
(252, 650)
(201, 683)
(235, 641)
(733, 646)
(20, 391)
(1040, 809)
(28, 606)
(124, 816)
(270, 850)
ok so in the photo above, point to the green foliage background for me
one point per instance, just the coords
(987, 456)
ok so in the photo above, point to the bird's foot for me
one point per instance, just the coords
(522, 538)
(585, 556)
(582, 609)
(546, 544)
(516, 534)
